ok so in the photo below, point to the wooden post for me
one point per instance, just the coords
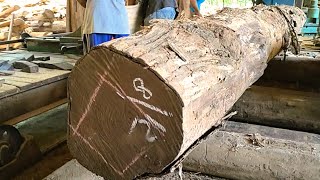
(10, 31)
(138, 104)
(75, 13)
(246, 151)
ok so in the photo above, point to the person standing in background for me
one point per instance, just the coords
(104, 20)
(195, 6)
(160, 9)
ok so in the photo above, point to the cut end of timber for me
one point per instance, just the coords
(124, 115)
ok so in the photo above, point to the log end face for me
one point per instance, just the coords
(124, 121)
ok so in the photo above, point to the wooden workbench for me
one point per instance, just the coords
(25, 92)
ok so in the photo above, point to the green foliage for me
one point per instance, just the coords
(228, 3)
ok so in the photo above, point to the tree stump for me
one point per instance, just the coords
(137, 104)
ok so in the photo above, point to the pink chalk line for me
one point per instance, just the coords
(134, 160)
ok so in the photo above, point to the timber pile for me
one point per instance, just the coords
(138, 104)
(32, 17)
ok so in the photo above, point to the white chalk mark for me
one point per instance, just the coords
(95, 150)
(149, 121)
(138, 85)
(147, 105)
(88, 107)
(119, 94)
(149, 138)
(133, 125)
(134, 160)
(155, 123)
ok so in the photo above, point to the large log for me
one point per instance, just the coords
(16, 22)
(246, 151)
(276, 107)
(138, 104)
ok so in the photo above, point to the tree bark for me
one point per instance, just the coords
(247, 151)
(138, 104)
(282, 108)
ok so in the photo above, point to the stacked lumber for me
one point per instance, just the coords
(32, 17)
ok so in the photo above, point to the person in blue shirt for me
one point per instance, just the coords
(195, 6)
(104, 20)
(199, 2)
(160, 9)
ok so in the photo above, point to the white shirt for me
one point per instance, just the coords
(106, 16)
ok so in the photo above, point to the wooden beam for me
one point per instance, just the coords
(244, 151)
(33, 99)
(277, 107)
(35, 112)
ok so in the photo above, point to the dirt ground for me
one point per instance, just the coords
(61, 155)
(50, 162)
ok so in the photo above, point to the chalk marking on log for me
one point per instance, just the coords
(141, 88)
(155, 123)
(119, 94)
(95, 150)
(134, 160)
(92, 99)
(133, 125)
(134, 100)
(136, 120)
(148, 121)
(149, 106)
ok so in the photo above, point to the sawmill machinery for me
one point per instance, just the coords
(311, 26)
(311, 9)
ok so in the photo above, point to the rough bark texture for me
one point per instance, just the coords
(246, 151)
(138, 103)
(283, 108)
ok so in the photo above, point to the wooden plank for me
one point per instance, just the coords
(6, 90)
(35, 112)
(53, 56)
(19, 56)
(1, 81)
(32, 99)
(277, 107)
(48, 129)
(244, 151)
(25, 81)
